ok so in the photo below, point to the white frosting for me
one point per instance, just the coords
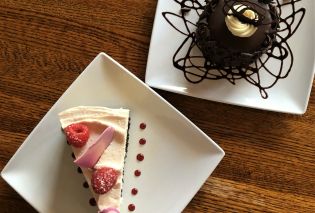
(236, 27)
(98, 119)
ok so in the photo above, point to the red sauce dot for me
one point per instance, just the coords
(92, 202)
(143, 126)
(137, 173)
(131, 207)
(140, 157)
(142, 141)
(134, 191)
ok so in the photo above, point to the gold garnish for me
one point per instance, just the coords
(249, 14)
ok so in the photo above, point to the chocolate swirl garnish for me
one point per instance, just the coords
(265, 1)
(196, 67)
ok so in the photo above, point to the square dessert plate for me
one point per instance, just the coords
(289, 95)
(178, 156)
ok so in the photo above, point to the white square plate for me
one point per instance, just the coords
(179, 157)
(289, 95)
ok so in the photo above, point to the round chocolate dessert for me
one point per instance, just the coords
(234, 33)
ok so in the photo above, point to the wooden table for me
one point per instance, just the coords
(44, 45)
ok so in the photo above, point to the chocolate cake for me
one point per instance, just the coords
(236, 40)
(235, 33)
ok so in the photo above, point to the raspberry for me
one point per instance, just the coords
(104, 179)
(77, 134)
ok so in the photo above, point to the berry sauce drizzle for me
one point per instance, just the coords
(140, 157)
(137, 173)
(142, 141)
(134, 191)
(143, 125)
(131, 207)
(196, 68)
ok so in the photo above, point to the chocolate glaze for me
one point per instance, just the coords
(85, 184)
(221, 47)
(272, 48)
(79, 170)
(92, 201)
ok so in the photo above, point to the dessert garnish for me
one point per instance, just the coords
(104, 179)
(137, 172)
(131, 207)
(143, 125)
(142, 141)
(134, 191)
(90, 157)
(77, 134)
(140, 157)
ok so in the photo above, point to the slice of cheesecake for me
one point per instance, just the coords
(98, 137)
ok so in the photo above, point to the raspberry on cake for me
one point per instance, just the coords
(77, 134)
(98, 137)
(104, 179)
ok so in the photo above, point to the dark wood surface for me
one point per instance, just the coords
(44, 45)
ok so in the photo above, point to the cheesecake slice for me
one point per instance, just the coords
(98, 137)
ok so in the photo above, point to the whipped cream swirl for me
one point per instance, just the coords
(238, 28)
